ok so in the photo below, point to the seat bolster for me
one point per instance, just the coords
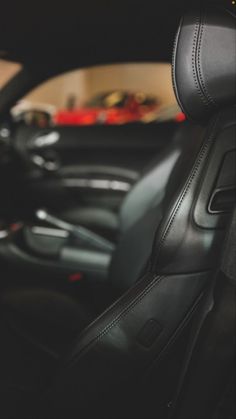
(190, 235)
(122, 343)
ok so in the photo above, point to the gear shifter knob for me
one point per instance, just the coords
(43, 215)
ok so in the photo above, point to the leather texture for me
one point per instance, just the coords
(144, 197)
(120, 363)
(184, 259)
(145, 206)
(149, 191)
(182, 244)
(204, 62)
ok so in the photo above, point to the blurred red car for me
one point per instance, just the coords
(112, 108)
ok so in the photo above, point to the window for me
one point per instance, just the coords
(8, 70)
(111, 94)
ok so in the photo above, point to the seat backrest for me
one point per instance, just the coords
(149, 190)
(143, 208)
(125, 364)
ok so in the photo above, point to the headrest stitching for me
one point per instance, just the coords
(194, 60)
(195, 56)
(209, 99)
(174, 52)
(173, 72)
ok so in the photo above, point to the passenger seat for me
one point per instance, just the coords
(148, 191)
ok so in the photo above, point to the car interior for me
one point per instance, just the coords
(117, 244)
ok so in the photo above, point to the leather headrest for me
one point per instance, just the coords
(204, 62)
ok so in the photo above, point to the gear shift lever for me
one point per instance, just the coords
(78, 232)
(43, 215)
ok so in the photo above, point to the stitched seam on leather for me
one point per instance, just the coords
(186, 189)
(173, 68)
(209, 99)
(194, 66)
(174, 51)
(116, 303)
(125, 310)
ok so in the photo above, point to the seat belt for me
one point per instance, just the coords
(227, 273)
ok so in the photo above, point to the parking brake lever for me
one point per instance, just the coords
(83, 234)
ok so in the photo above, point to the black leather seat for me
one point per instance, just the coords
(125, 364)
(146, 192)
(141, 213)
(27, 311)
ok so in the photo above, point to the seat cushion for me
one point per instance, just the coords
(36, 329)
(47, 319)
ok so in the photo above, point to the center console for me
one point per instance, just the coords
(52, 245)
